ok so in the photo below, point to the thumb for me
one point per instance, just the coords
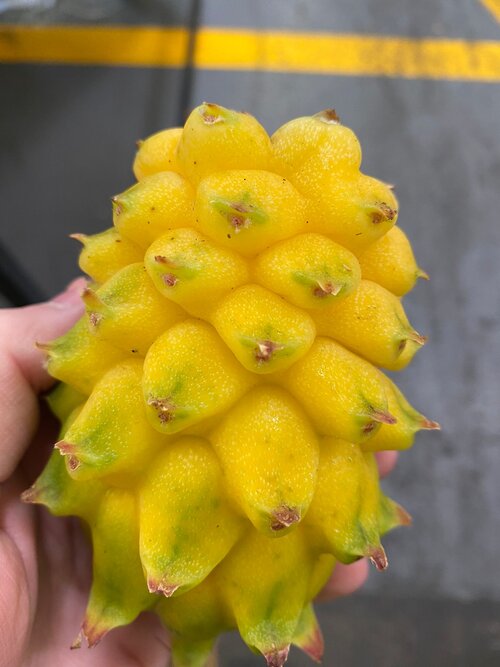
(22, 372)
(22, 328)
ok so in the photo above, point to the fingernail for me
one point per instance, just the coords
(71, 295)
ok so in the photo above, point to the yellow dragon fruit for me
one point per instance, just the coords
(221, 400)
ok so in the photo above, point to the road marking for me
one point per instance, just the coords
(270, 51)
(354, 55)
(493, 6)
(97, 45)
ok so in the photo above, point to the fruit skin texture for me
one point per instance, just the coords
(220, 399)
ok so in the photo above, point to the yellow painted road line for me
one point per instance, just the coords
(493, 6)
(271, 51)
(96, 45)
(354, 55)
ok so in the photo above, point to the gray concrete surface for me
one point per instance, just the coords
(454, 18)
(67, 138)
(366, 631)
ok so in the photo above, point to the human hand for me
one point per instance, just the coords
(45, 561)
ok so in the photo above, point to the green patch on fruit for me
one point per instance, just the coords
(240, 214)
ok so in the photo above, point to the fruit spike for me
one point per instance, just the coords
(92, 633)
(221, 399)
(382, 417)
(417, 338)
(308, 636)
(81, 238)
(162, 588)
(265, 349)
(44, 347)
(381, 212)
(277, 657)
(94, 305)
(405, 519)
(164, 407)
(213, 113)
(326, 288)
(430, 425)
(31, 495)
(378, 557)
(284, 517)
(68, 451)
(328, 116)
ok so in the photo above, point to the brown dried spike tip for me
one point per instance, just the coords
(383, 417)
(162, 588)
(31, 495)
(161, 259)
(211, 113)
(164, 407)
(117, 205)
(326, 288)
(94, 319)
(277, 657)
(405, 519)
(378, 416)
(328, 116)
(284, 517)
(418, 338)
(265, 350)
(378, 557)
(383, 213)
(90, 298)
(315, 647)
(169, 279)
(429, 425)
(67, 449)
(415, 337)
(93, 633)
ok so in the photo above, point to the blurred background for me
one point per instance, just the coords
(81, 80)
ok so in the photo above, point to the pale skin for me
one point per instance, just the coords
(45, 561)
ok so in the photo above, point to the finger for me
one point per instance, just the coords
(15, 614)
(22, 373)
(345, 580)
(17, 573)
(22, 328)
(386, 462)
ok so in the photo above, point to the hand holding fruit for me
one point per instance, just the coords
(220, 400)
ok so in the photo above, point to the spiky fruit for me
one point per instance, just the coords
(220, 398)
